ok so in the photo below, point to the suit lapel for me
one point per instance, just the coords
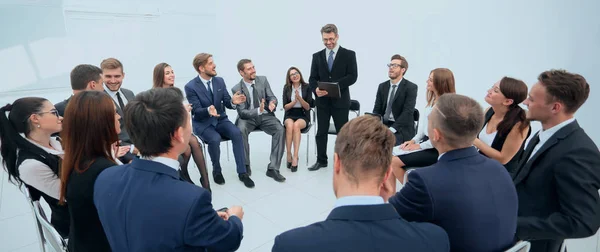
(203, 89)
(386, 94)
(401, 89)
(246, 92)
(119, 109)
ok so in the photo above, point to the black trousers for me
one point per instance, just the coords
(324, 113)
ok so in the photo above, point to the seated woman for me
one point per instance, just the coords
(164, 77)
(297, 100)
(440, 81)
(506, 127)
(31, 156)
(83, 162)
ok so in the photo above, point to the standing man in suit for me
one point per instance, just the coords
(396, 99)
(480, 213)
(258, 113)
(113, 75)
(332, 64)
(208, 96)
(559, 174)
(145, 205)
(361, 220)
(83, 77)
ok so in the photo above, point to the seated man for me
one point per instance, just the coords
(469, 195)
(83, 77)
(256, 114)
(145, 205)
(395, 101)
(208, 95)
(361, 220)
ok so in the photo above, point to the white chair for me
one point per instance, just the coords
(51, 236)
(521, 246)
(38, 227)
(563, 248)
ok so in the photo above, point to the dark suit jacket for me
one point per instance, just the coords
(344, 72)
(403, 106)
(558, 190)
(61, 106)
(197, 95)
(471, 196)
(246, 110)
(124, 136)
(145, 206)
(307, 95)
(86, 232)
(363, 228)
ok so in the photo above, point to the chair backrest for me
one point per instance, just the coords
(51, 236)
(521, 246)
(355, 107)
(416, 117)
(38, 227)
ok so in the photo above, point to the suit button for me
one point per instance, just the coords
(329, 77)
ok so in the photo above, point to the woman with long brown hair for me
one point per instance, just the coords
(297, 100)
(164, 77)
(420, 151)
(90, 133)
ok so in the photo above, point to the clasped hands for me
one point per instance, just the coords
(410, 145)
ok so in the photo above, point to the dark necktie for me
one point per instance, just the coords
(532, 143)
(255, 96)
(121, 104)
(330, 60)
(388, 109)
(210, 93)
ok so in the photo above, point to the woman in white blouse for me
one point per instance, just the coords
(421, 152)
(31, 156)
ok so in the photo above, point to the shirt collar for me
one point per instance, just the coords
(546, 134)
(440, 156)
(335, 50)
(166, 161)
(112, 93)
(358, 200)
(397, 83)
(53, 142)
(248, 85)
(203, 80)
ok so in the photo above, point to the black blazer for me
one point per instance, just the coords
(344, 72)
(363, 228)
(403, 106)
(306, 95)
(558, 190)
(86, 233)
(61, 106)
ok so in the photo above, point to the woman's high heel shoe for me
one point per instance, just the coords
(294, 167)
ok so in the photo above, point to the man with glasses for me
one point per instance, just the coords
(396, 99)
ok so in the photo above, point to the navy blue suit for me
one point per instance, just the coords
(211, 129)
(363, 228)
(145, 206)
(469, 195)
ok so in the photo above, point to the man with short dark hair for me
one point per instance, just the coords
(145, 205)
(558, 177)
(83, 77)
(258, 112)
(113, 75)
(361, 220)
(396, 99)
(469, 195)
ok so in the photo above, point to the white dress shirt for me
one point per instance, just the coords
(423, 124)
(335, 52)
(299, 89)
(359, 200)
(166, 161)
(113, 95)
(544, 135)
(391, 118)
(251, 90)
(39, 175)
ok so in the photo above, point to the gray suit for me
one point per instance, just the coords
(249, 120)
(124, 136)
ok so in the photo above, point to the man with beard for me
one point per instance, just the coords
(396, 99)
(208, 96)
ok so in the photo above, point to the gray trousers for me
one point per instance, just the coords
(270, 125)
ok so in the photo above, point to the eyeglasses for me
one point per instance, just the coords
(294, 74)
(393, 65)
(54, 111)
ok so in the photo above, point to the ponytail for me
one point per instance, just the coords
(8, 147)
(514, 115)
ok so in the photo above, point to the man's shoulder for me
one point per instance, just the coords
(346, 50)
(316, 54)
(296, 238)
(125, 90)
(410, 83)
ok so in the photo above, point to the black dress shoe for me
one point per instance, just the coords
(248, 170)
(294, 168)
(218, 178)
(275, 175)
(289, 165)
(246, 179)
(317, 166)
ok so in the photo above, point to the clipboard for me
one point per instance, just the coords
(332, 88)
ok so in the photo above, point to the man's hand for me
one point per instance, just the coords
(223, 215)
(135, 151)
(238, 98)
(320, 93)
(237, 211)
(122, 150)
(188, 107)
(272, 106)
(262, 106)
(212, 111)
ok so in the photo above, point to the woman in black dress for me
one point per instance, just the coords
(297, 100)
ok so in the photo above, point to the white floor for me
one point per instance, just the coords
(270, 208)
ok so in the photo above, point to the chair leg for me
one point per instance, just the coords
(307, 146)
(227, 143)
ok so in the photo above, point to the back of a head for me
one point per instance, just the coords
(364, 147)
(83, 74)
(152, 118)
(570, 89)
(459, 118)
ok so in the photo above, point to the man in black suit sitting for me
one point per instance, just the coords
(332, 64)
(559, 174)
(83, 77)
(361, 220)
(396, 99)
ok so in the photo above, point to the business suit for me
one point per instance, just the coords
(363, 228)
(558, 189)
(61, 106)
(145, 206)
(345, 72)
(86, 232)
(211, 129)
(471, 196)
(249, 119)
(403, 107)
(124, 136)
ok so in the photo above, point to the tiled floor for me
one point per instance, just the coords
(270, 208)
